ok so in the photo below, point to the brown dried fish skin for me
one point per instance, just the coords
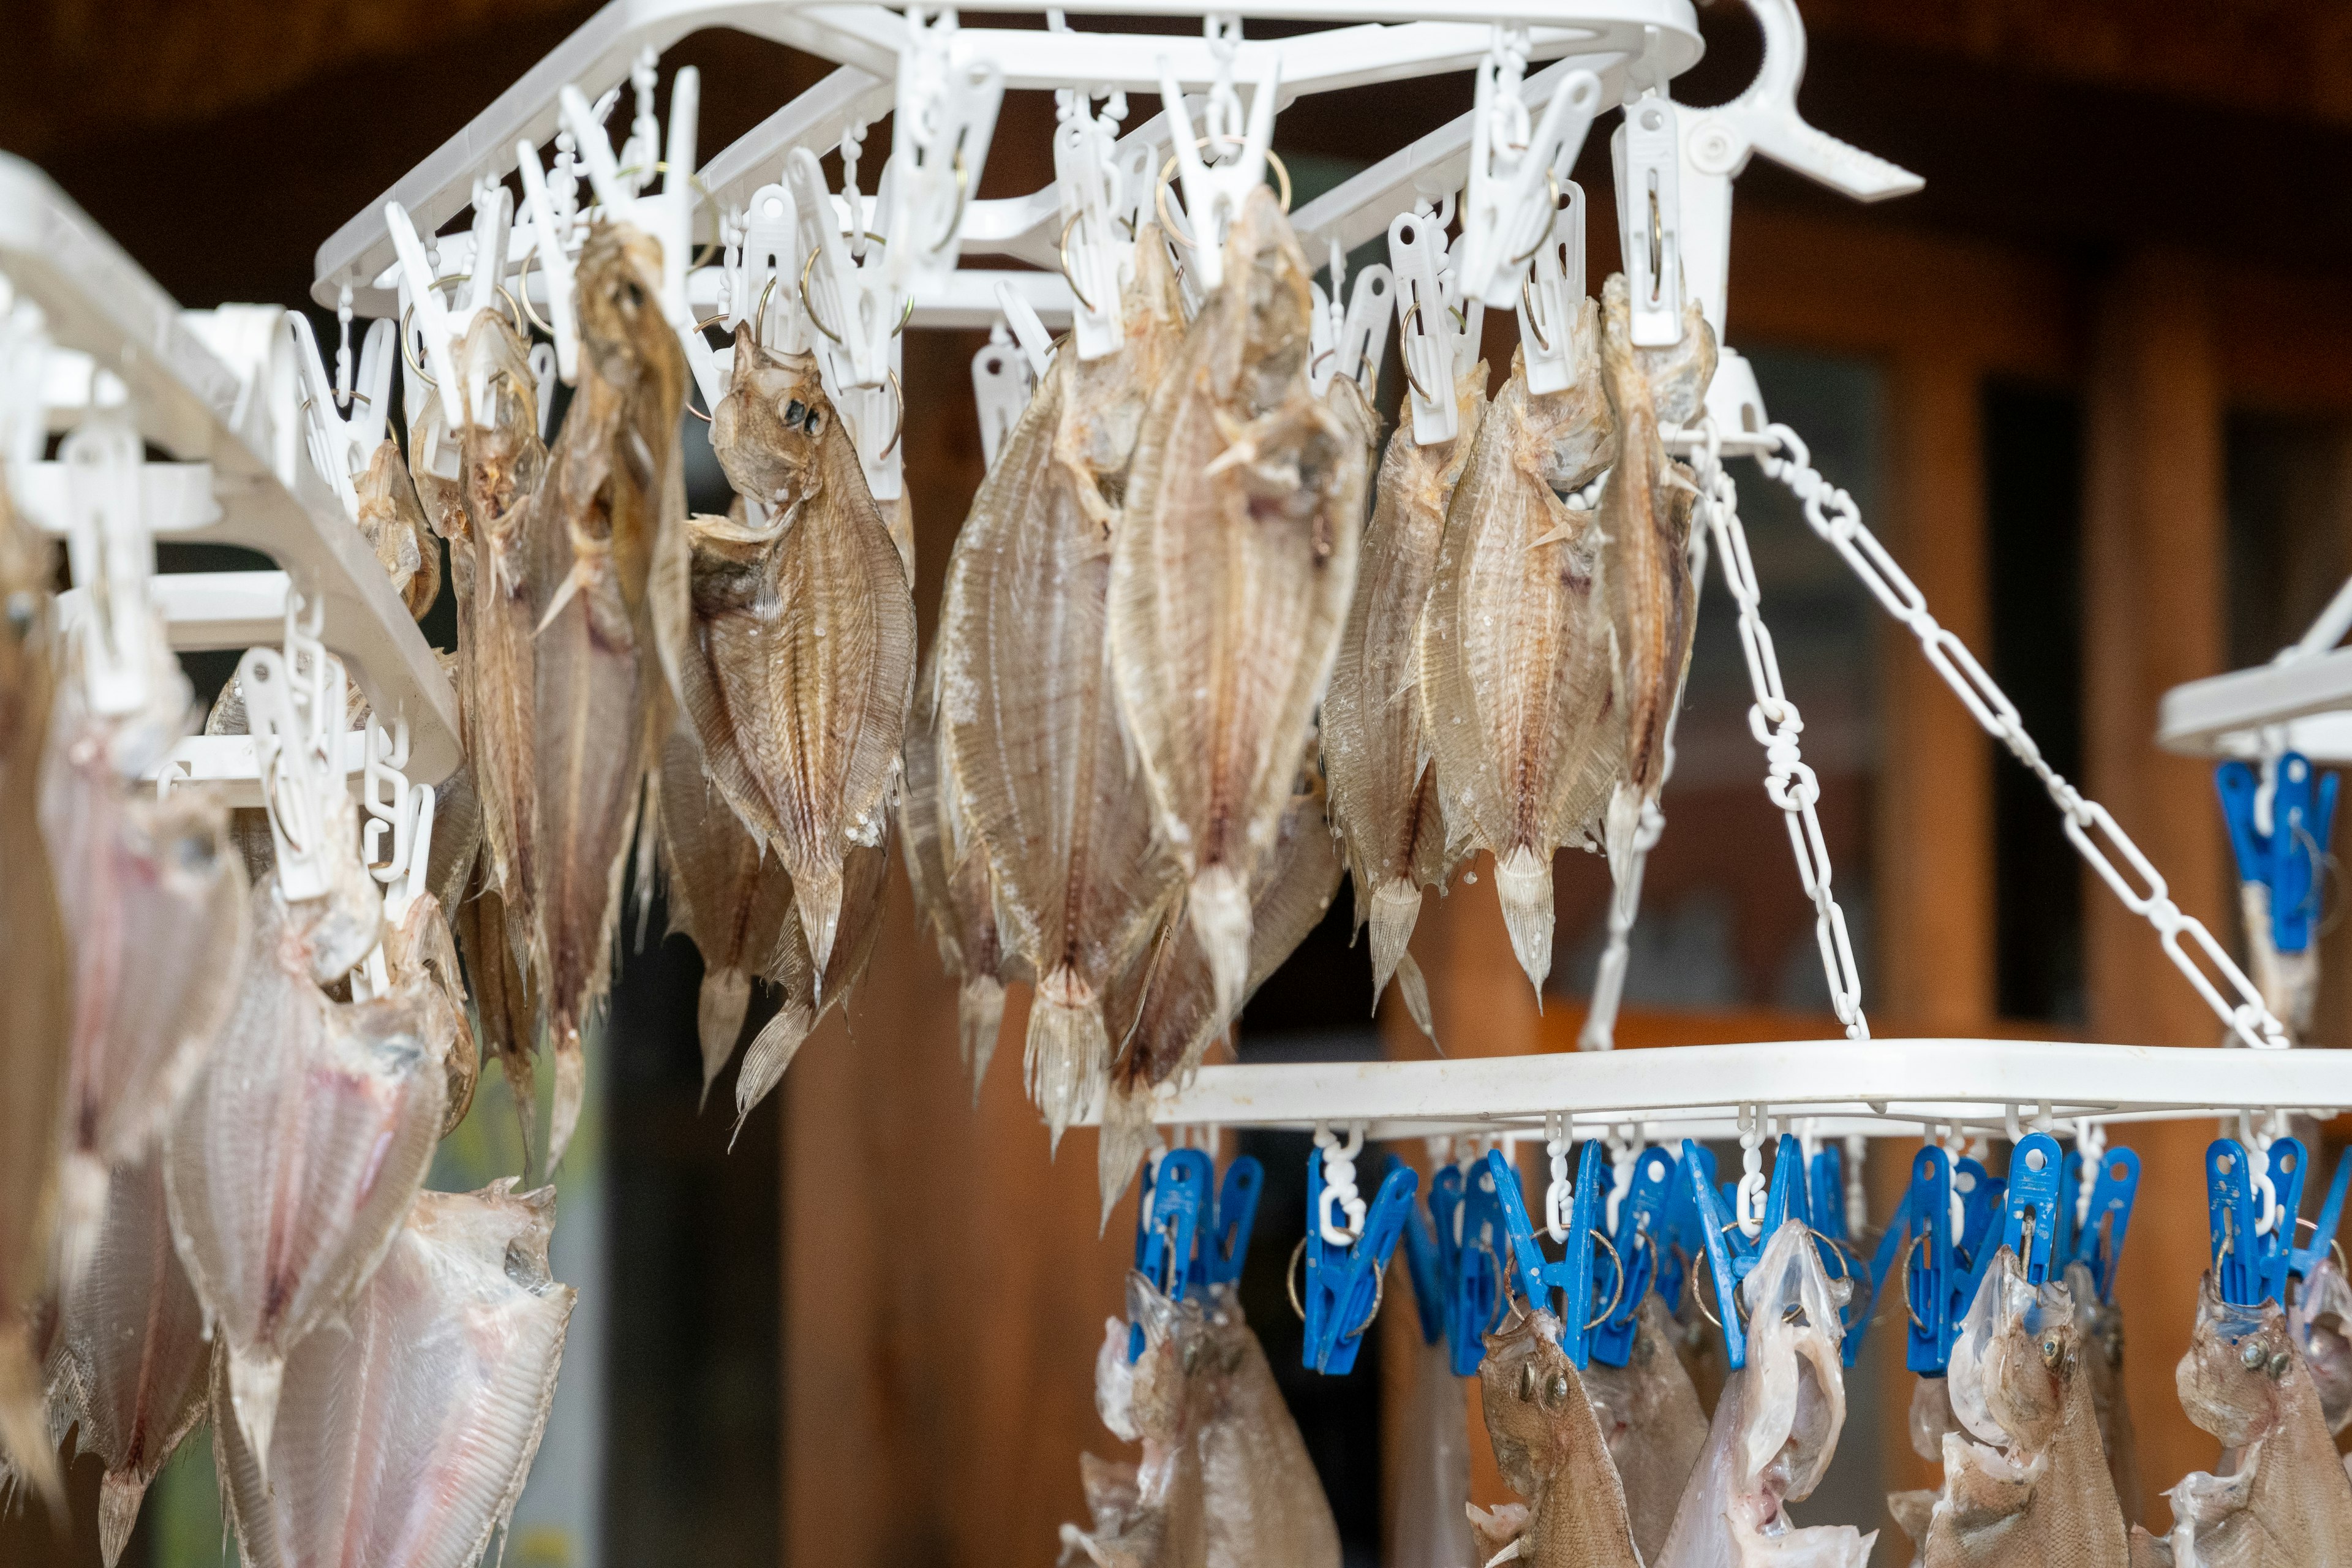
(807, 998)
(1650, 1416)
(1430, 1526)
(135, 1353)
(1552, 1451)
(790, 633)
(1376, 748)
(727, 894)
(952, 884)
(408, 1426)
(505, 1011)
(614, 500)
(391, 519)
(1152, 1514)
(1263, 1500)
(2102, 1355)
(36, 1004)
(420, 953)
(293, 1157)
(1231, 572)
(1515, 662)
(155, 905)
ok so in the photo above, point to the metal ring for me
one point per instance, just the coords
(1159, 196)
(1503, 1286)
(1380, 1294)
(1706, 1258)
(1290, 1278)
(898, 427)
(522, 289)
(362, 397)
(408, 356)
(963, 200)
(760, 317)
(1062, 246)
(1552, 177)
(1908, 1309)
(1617, 1295)
(1535, 323)
(905, 316)
(1405, 359)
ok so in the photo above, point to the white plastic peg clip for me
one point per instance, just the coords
(1648, 157)
(1550, 295)
(1095, 182)
(1364, 332)
(1028, 328)
(856, 311)
(1002, 386)
(1213, 196)
(111, 548)
(1426, 331)
(294, 774)
(342, 444)
(765, 290)
(1517, 176)
(944, 118)
(550, 234)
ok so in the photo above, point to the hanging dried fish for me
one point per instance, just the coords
(420, 953)
(809, 995)
(1645, 516)
(614, 499)
(1551, 1452)
(1431, 1526)
(2321, 1322)
(135, 1352)
(393, 521)
(1376, 744)
(294, 1156)
(1042, 772)
(1264, 1502)
(952, 884)
(2286, 1499)
(1152, 1513)
(790, 631)
(1651, 1419)
(1231, 572)
(1514, 659)
(36, 1004)
(1775, 1428)
(726, 892)
(2102, 1360)
(504, 1007)
(408, 1423)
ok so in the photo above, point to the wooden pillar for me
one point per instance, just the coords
(2153, 566)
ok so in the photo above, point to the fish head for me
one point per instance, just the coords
(1794, 1404)
(1175, 1353)
(1267, 296)
(1102, 415)
(1567, 438)
(628, 341)
(1527, 1386)
(2103, 1322)
(2019, 1350)
(770, 429)
(2320, 1323)
(1669, 381)
(2236, 1374)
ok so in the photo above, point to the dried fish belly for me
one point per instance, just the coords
(392, 520)
(1231, 574)
(1385, 801)
(952, 884)
(1515, 651)
(407, 1425)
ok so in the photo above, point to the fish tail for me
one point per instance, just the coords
(1069, 1053)
(1220, 908)
(980, 1017)
(1416, 993)
(1523, 881)
(82, 1186)
(25, 1436)
(1127, 1136)
(254, 1376)
(766, 1057)
(1396, 906)
(816, 894)
(570, 1088)
(719, 1019)
(119, 1496)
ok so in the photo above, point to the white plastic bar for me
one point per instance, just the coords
(231, 765)
(191, 404)
(206, 611)
(1911, 1080)
(2210, 717)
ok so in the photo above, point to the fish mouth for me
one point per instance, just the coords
(1794, 1407)
(2002, 1391)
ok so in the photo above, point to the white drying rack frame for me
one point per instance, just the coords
(2301, 700)
(185, 400)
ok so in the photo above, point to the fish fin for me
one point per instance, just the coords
(1414, 991)
(649, 859)
(766, 1057)
(118, 1497)
(1067, 1057)
(254, 1376)
(1126, 1136)
(1523, 882)
(1218, 905)
(816, 894)
(2149, 1550)
(1913, 1510)
(980, 1018)
(1396, 906)
(571, 586)
(25, 1437)
(1552, 536)
(725, 998)
(82, 1184)
(570, 1088)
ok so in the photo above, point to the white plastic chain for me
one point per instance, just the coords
(1776, 724)
(2258, 1141)
(2091, 1142)
(1339, 1192)
(1221, 118)
(1832, 513)
(1750, 1208)
(1624, 1154)
(1857, 1199)
(1559, 1197)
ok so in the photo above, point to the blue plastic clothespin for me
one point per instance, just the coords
(2250, 1266)
(1343, 1282)
(1479, 1272)
(2285, 859)
(2099, 1238)
(1921, 1246)
(2070, 1182)
(1426, 1268)
(1825, 1190)
(1981, 1193)
(1684, 1240)
(1168, 1224)
(1640, 1221)
(2028, 1215)
(1732, 1254)
(1224, 1235)
(1572, 1275)
(2301, 1260)
(1444, 1223)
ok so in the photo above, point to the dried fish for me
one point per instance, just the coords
(134, 1353)
(1651, 1419)
(393, 521)
(2285, 1497)
(1376, 744)
(1231, 572)
(420, 955)
(1432, 1525)
(36, 1004)
(727, 893)
(1516, 671)
(1552, 1451)
(790, 631)
(807, 996)
(1775, 1428)
(614, 500)
(952, 884)
(2034, 1489)
(294, 1156)
(1265, 1503)
(504, 1007)
(1151, 1514)
(2103, 1356)
(408, 1423)
(2321, 1321)
(1044, 777)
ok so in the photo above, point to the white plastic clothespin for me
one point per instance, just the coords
(944, 117)
(761, 287)
(294, 709)
(1002, 386)
(1551, 294)
(110, 550)
(1645, 155)
(1213, 196)
(1028, 328)
(1098, 186)
(24, 353)
(1430, 331)
(343, 443)
(1516, 171)
(438, 326)
(1347, 338)
(552, 221)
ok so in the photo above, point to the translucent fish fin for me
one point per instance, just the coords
(1127, 1136)
(1218, 905)
(255, 1377)
(1523, 881)
(570, 1088)
(1067, 1058)
(118, 1497)
(980, 1018)
(767, 1056)
(726, 997)
(816, 894)
(24, 1436)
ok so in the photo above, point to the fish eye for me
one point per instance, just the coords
(2279, 1364)
(811, 423)
(1526, 1380)
(2251, 1356)
(1554, 1393)
(2051, 1350)
(631, 292)
(793, 412)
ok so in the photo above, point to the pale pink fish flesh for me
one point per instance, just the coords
(293, 1158)
(408, 1425)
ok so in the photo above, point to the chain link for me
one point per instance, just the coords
(1777, 725)
(1832, 513)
